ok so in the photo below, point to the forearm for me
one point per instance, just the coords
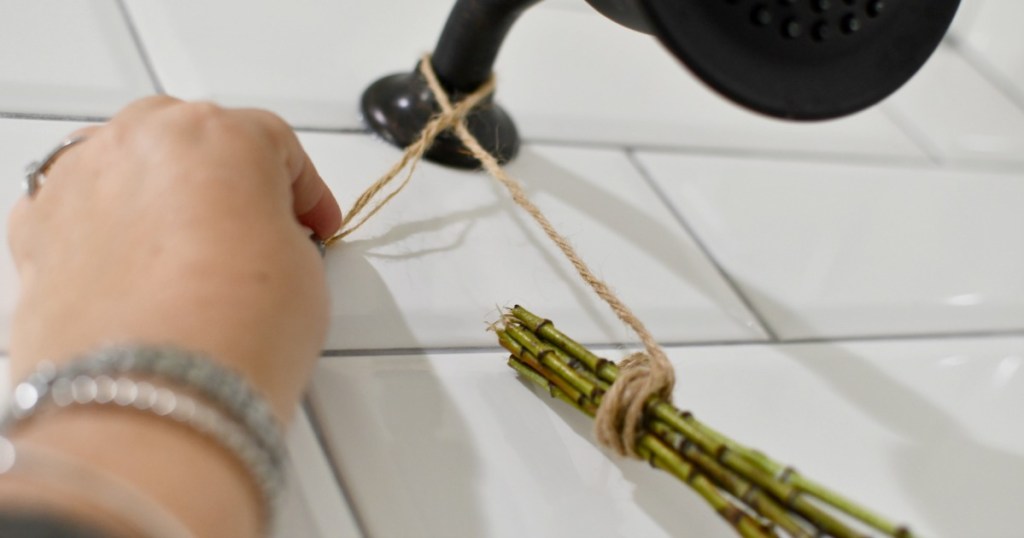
(191, 477)
(184, 225)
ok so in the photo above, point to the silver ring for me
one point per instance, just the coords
(35, 171)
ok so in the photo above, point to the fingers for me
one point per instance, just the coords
(25, 211)
(86, 131)
(19, 220)
(312, 201)
(313, 204)
(17, 237)
(65, 160)
(144, 107)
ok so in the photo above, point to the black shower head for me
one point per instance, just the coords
(795, 59)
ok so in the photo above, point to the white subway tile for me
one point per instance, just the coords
(455, 445)
(432, 268)
(68, 58)
(827, 250)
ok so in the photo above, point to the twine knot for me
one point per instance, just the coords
(642, 380)
(642, 376)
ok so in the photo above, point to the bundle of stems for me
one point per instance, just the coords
(756, 495)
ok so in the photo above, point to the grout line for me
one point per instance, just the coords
(761, 320)
(452, 350)
(915, 134)
(103, 119)
(46, 116)
(786, 157)
(604, 346)
(140, 47)
(995, 333)
(989, 72)
(749, 153)
(882, 161)
(339, 481)
(53, 117)
(330, 130)
(393, 351)
(615, 346)
(928, 163)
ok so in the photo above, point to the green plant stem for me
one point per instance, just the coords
(712, 441)
(522, 355)
(663, 457)
(726, 479)
(545, 355)
(515, 337)
(729, 481)
(540, 380)
(782, 492)
(802, 483)
(524, 363)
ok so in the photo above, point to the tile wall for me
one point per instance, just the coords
(847, 295)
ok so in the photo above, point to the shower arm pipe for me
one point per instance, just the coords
(468, 47)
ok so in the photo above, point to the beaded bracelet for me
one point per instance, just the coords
(246, 427)
(217, 384)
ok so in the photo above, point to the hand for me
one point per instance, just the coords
(182, 224)
(178, 223)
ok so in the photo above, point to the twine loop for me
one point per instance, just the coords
(445, 120)
(642, 376)
(619, 418)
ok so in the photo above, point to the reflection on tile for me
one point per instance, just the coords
(23, 141)
(984, 127)
(454, 445)
(309, 63)
(431, 268)
(313, 506)
(995, 35)
(73, 58)
(831, 250)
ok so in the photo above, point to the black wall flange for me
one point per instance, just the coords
(397, 107)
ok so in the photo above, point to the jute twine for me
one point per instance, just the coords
(641, 375)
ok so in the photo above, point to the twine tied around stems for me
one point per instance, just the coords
(642, 375)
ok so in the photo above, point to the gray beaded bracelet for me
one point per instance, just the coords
(246, 426)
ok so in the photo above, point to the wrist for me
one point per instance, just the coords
(273, 367)
(162, 460)
(173, 392)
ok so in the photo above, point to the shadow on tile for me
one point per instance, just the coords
(541, 175)
(423, 431)
(961, 486)
(676, 509)
(405, 230)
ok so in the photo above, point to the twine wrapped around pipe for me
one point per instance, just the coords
(642, 375)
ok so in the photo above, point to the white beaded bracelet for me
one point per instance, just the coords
(241, 422)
